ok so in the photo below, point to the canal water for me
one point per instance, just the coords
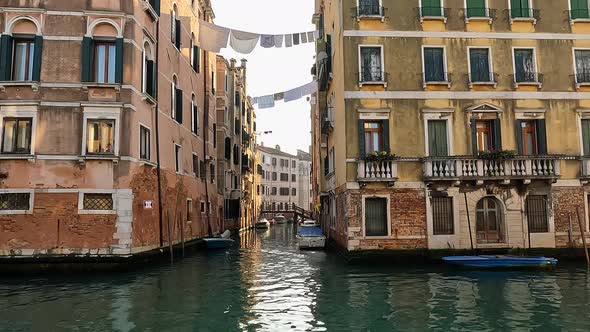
(266, 284)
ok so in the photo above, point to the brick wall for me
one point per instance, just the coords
(566, 200)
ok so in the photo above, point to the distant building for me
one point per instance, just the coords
(285, 179)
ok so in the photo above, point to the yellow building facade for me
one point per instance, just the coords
(466, 123)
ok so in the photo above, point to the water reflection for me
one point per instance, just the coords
(266, 284)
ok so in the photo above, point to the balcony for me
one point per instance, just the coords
(433, 14)
(525, 168)
(377, 170)
(528, 79)
(482, 78)
(524, 15)
(370, 11)
(372, 77)
(479, 14)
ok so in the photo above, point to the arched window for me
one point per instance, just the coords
(489, 221)
(194, 116)
(148, 70)
(175, 27)
(20, 52)
(102, 53)
(191, 53)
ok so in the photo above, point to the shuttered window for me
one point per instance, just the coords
(434, 68)
(531, 137)
(582, 58)
(102, 60)
(536, 210)
(376, 216)
(431, 8)
(373, 136)
(586, 136)
(486, 135)
(437, 138)
(476, 8)
(579, 9)
(524, 65)
(479, 63)
(20, 58)
(442, 215)
(520, 8)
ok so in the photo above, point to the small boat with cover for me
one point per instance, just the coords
(500, 261)
(221, 242)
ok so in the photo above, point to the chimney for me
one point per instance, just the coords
(244, 61)
(232, 62)
(278, 147)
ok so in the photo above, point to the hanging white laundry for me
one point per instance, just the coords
(254, 100)
(212, 37)
(310, 37)
(293, 94)
(267, 41)
(309, 88)
(278, 40)
(304, 37)
(295, 39)
(266, 101)
(288, 40)
(243, 42)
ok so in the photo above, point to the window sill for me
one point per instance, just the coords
(370, 17)
(9, 212)
(82, 159)
(579, 20)
(31, 158)
(433, 18)
(492, 84)
(150, 10)
(582, 84)
(381, 237)
(145, 162)
(479, 19)
(115, 86)
(373, 83)
(447, 83)
(147, 98)
(523, 19)
(537, 84)
(32, 84)
(110, 212)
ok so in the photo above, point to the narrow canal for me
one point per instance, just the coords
(266, 284)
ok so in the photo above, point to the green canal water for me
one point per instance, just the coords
(266, 284)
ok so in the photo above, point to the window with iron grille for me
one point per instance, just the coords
(376, 216)
(536, 212)
(98, 201)
(14, 201)
(442, 215)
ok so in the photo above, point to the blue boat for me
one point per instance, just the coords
(218, 243)
(310, 237)
(500, 261)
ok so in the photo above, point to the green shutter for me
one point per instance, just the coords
(5, 57)
(178, 114)
(519, 141)
(37, 58)
(519, 8)
(541, 137)
(431, 8)
(87, 59)
(361, 138)
(156, 6)
(437, 138)
(385, 124)
(150, 79)
(177, 34)
(476, 8)
(474, 137)
(497, 134)
(586, 136)
(479, 65)
(579, 9)
(119, 60)
(196, 58)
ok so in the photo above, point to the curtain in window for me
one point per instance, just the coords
(520, 8)
(431, 8)
(434, 65)
(579, 9)
(376, 217)
(476, 8)
(23, 60)
(525, 66)
(437, 138)
(582, 66)
(371, 64)
(480, 65)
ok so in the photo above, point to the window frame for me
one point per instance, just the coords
(19, 112)
(371, 131)
(359, 15)
(445, 66)
(31, 193)
(18, 119)
(30, 58)
(178, 158)
(492, 80)
(81, 194)
(195, 169)
(104, 41)
(535, 69)
(442, 12)
(149, 147)
(442, 114)
(574, 49)
(101, 113)
(388, 209)
(579, 19)
(360, 66)
(189, 210)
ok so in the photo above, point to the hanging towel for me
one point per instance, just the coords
(243, 42)
(267, 41)
(254, 100)
(310, 37)
(212, 37)
(303, 37)
(295, 39)
(278, 40)
(293, 94)
(266, 101)
(309, 88)
(279, 96)
(288, 40)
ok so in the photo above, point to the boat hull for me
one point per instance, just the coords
(311, 242)
(490, 261)
(218, 243)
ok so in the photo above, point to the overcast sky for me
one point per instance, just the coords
(275, 69)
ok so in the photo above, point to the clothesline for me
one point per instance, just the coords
(213, 38)
(268, 101)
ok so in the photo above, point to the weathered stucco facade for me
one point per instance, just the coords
(501, 150)
(108, 158)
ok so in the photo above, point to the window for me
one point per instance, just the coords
(520, 8)
(263, 159)
(105, 56)
(202, 170)
(214, 136)
(369, 8)
(371, 64)
(191, 50)
(582, 59)
(579, 9)
(293, 192)
(586, 136)
(293, 164)
(524, 65)
(178, 158)
(284, 177)
(15, 201)
(274, 191)
(144, 143)
(195, 165)
(194, 116)
(196, 58)
(16, 136)
(203, 207)
(94, 201)
(434, 64)
(431, 8)
(376, 216)
(274, 161)
(227, 148)
(373, 136)
(437, 138)
(189, 211)
(100, 136)
(148, 71)
(24, 51)
(175, 28)
(442, 215)
(274, 176)
(477, 8)
(293, 178)
(536, 213)
(480, 65)
(284, 191)
(176, 102)
(331, 159)
(212, 170)
(486, 134)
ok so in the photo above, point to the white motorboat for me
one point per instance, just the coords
(310, 236)
(262, 224)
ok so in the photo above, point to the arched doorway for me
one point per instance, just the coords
(489, 221)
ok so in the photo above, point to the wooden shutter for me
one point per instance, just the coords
(119, 60)
(437, 138)
(156, 6)
(479, 65)
(5, 57)
(150, 79)
(177, 34)
(37, 58)
(586, 136)
(196, 58)
(476, 8)
(519, 8)
(385, 125)
(87, 59)
(361, 138)
(178, 115)
(519, 142)
(431, 8)
(196, 119)
(474, 137)
(497, 134)
(579, 9)
(541, 136)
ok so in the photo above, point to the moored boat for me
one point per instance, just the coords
(280, 219)
(500, 261)
(310, 237)
(262, 224)
(221, 242)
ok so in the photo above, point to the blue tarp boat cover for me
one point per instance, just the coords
(310, 232)
(500, 261)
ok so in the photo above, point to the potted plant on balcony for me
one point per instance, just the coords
(380, 156)
(497, 155)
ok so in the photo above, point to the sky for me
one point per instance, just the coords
(274, 69)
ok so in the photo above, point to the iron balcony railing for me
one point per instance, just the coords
(516, 13)
(582, 78)
(474, 168)
(482, 77)
(583, 13)
(369, 76)
(436, 78)
(372, 9)
(434, 12)
(471, 12)
(528, 77)
(376, 170)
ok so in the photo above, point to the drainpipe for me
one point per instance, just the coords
(158, 166)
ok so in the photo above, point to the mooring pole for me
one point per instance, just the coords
(468, 220)
(169, 238)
